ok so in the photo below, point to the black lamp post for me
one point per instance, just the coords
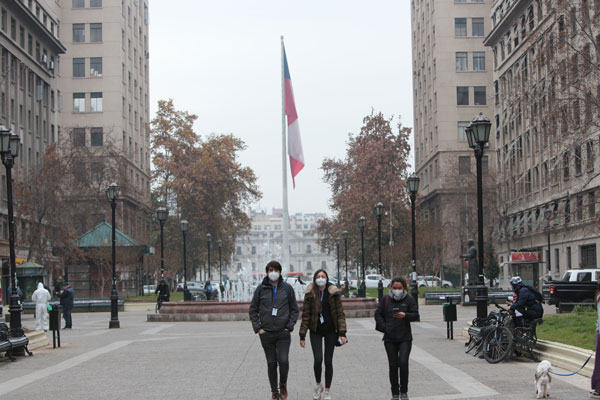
(220, 246)
(9, 150)
(208, 239)
(362, 291)
(413, 187)
(379, 214)
(161, 215)
(478, 135)
(183, 224)
(345, 236)
(111, 194)
(337, 248)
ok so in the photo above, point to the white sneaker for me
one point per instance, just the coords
(317, 392)
(326, 396)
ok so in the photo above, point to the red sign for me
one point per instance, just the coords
(525, 256)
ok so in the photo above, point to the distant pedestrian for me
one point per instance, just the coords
(595, 393)
(208, 290)
(393, 316)
(41, 297)
(67, 295)
(323, 315)
(273, 313)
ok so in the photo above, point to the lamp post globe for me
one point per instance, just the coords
(184, 225)
(112, 192)
(161, 215)
(413, 187)
(379, 215)
(362, 291)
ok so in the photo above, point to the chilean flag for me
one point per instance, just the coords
(294, 142)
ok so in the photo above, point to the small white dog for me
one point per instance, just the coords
(543, 379)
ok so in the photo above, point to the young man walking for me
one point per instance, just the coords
(273, 313)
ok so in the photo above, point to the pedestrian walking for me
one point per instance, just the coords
(323, 315)
(595, 393)
(67, 295)
(273, 313)
(41, 297)
(208, 290)
(392, 317)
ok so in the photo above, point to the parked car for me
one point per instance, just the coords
(148, 289)
(433, 281)
(295, 280)
(576, 286)
(371, 281)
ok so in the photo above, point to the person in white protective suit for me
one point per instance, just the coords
(41, 297)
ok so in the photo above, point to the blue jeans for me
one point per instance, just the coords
(67, 316)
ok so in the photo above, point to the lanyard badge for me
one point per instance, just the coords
(274, 311)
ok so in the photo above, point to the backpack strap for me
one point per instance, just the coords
(386, 302)
(289, 291)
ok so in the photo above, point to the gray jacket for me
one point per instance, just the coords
(261, 307)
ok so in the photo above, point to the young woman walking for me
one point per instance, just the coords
(392, 317)
(324, 316)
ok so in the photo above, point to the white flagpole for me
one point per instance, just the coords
(286, 220)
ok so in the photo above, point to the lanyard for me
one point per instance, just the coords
(322, 293)
(275, 296)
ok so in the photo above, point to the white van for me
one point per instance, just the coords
(581, 275)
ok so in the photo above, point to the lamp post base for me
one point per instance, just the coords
(114, 310)
(15, 322)
(380, 290)
(187, 296)
(481, 298)
(362, 290)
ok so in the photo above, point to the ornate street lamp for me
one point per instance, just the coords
(9, 150)
(112, 192)
(183, 224)
(220, 247)
(161, 215)
(208, 239)
(337, 247)
(379, 214)
(478, 136)
(413, 187)
(346, 285)
(362, 291)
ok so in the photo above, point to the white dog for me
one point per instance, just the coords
(543, 379)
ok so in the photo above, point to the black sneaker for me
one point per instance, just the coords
(275, 396)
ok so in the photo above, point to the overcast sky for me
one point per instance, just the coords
(221, 61)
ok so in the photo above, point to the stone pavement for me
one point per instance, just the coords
(224, 360)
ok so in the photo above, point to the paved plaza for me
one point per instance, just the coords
(224, 360)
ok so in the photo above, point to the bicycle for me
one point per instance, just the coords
(159, 301)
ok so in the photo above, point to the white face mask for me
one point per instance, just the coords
(398, 294)
(321, 282)
(273, 276)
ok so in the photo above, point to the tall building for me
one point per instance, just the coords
(452, 83)
(546, 80)
(105, 89)
(264, 242)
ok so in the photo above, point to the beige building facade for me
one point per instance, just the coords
(546, 139)
(452, 83)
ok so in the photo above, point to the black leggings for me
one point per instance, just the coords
(316, 342)
(398, 354)
(277, 347)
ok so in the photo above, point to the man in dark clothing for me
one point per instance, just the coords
(163, 290)
(527, 303)
(273, 313)
(67, 295)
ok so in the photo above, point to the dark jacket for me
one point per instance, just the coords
(261, 307)
(66, 297)
(396, 329)
(163, 289)
(311, 311)
(526, 300)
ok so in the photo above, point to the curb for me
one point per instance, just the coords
(206, 317)
(139, 306)
(560, 355)
(37, 340)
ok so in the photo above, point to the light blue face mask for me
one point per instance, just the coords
(398, 294)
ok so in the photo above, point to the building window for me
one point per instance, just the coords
(462, 63)
(253, 249)
(78, 33)
(78, 3)
(588, 256)
(464, 165)
(478, 61)
(323, 264)
(479, 92)
(309, 266)
(96, 136)
(96, 102)
(78, 102)
(462, 95)
(308, 249)
(477, 26)
(95, 3)
(238, 250)
(460, 27)
(462, 135)
(96, 66)
(591, 205)
(78, 136)
(95, 33)
(79, 68)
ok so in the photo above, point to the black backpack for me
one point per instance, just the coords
(538, 296)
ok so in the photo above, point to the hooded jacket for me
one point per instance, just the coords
(41, 295)
(311, 310)
(396, 329)
(263, 302)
